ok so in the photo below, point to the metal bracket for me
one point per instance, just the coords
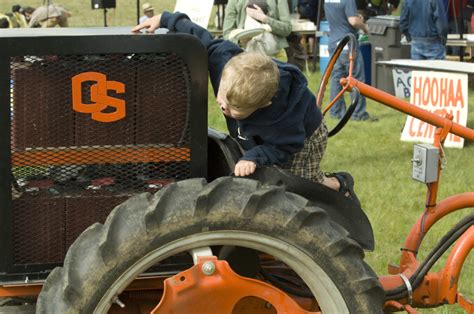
(409, 288)
(200, 252)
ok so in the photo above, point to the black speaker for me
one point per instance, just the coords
(103, 4)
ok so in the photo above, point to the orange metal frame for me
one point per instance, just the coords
(441, 287)
(94, 155)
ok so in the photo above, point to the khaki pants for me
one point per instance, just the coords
(52, 22)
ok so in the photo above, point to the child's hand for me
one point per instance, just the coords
(257, 14)
(244, 168)
(150, 25)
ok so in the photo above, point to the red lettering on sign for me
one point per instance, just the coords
(417, 90)
(426, 92)
(435, 93)
(443, 92)
(459, 97)
(410, 128)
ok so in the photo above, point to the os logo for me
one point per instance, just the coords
(99, 98)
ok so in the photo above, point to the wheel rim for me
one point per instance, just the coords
(350, 40)
(327, 294)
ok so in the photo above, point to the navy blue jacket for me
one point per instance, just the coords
(271, 134)
(424, 20)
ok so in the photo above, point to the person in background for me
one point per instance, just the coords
(381, 7)
(4, 21)
(470, 5)
(470, 15)
(18, 19)
(343, 18)
(308, 9)
(264, 42)
(278, 18)
(293, 6)
(457, 21)
(148, 12)
(27, 12)
(50, 16)
(424, 23)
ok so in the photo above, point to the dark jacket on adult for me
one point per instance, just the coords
(271, 134)
(424, 20)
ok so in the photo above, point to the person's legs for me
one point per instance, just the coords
(472, 22)
(63, 21)
(430, 50)
(454, 28)
(417, 51)
(339, 71)
(359, 74)
(435, 51)
(306, 163)
(51, 22)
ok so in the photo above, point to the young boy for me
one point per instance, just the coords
(267, 104)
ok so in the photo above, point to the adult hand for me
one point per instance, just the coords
(244, 168)
(257, 14)
(150, 25)
(365, 28)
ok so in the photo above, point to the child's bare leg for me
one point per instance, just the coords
(331, 182)
(341, 182)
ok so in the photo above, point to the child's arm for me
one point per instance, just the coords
(268, 154)
(278, 151)
(261, 155)
(219, 51)
(277, 148)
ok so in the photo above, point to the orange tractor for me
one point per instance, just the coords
(115, 197)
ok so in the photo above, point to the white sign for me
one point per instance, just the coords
(198, 11)
(437, 92)
(402, 82)
(324, 51)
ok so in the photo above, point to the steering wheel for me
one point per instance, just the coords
(352, 41)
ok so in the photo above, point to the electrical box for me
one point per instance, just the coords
(425, 163)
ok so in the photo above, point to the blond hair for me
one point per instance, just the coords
(252, 79)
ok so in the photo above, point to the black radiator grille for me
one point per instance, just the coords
(75, 154)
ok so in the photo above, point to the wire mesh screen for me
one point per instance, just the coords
(88, 132)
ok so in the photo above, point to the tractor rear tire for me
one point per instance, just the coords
(147, 228)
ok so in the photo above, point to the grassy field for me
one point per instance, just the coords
(371, 151)
(125, 13)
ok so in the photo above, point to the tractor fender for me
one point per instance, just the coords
(224, 152)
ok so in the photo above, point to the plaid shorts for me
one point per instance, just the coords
(306, 162)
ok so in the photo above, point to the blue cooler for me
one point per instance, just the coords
(366, 50)
(324, 46)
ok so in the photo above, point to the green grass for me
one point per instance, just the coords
(125, 13)
(83, 16)
(371, 151)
